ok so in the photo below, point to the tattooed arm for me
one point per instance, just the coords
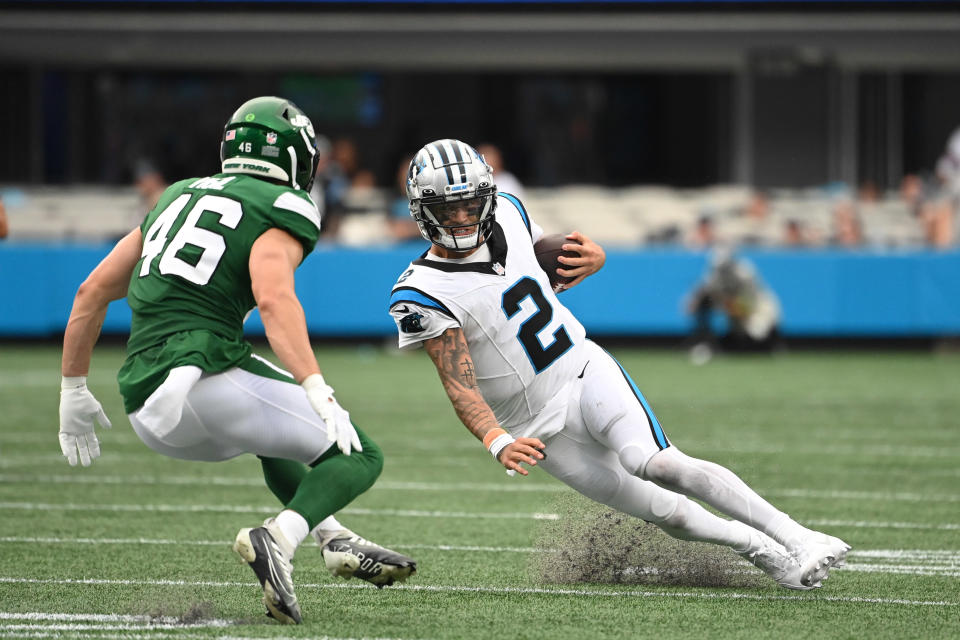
(451, 356)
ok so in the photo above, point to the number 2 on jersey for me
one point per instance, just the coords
(540, 357)
(211, 243)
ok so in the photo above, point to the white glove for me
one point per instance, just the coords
(337, 419)
(78, 408)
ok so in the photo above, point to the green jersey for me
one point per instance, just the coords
(190, 292)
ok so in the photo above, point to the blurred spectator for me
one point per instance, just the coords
(703, 234)
(847, 228)
(868, 193)
(948, 166)
(4, 226)
(150, 185)
(794, 234)
(319, 191)
(731, 286)
(402, 225)
(930, 207)
(938, 222)
(343, 178)
(758, 208)
(506, 181)
(940, 217)
(913, 193)
(754, 218)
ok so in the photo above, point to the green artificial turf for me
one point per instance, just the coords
(863, 445)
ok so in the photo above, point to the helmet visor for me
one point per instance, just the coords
(460, 220)
(458, 213)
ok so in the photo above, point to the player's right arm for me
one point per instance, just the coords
(451, 356)
(78, 407)
(106, 283)
(274, 258)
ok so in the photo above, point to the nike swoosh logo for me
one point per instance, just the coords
(584, 370)
(278, 583)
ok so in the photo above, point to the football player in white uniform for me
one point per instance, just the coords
(524, 379)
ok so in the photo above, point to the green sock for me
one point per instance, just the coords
(336, 480)
(283, 476)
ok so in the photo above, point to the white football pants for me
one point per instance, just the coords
(234, 412)
(608, 441)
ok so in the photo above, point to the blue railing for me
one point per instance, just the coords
(641, 292)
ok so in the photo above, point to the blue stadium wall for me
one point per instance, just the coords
(639, 293)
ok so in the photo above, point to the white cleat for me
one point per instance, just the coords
(817, 554)
(771, 557)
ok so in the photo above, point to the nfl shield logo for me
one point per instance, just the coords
(271, 138)
(230, 135)
(498, 268)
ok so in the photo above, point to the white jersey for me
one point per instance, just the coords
(526, 346)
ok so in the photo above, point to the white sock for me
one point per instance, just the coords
(294, 526)
(726, 492)
(703, 526)
(327, 526)
(787, 531)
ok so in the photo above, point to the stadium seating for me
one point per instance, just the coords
(619, 217)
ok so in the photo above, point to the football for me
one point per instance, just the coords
(548, 249)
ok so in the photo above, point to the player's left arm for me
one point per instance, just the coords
(78, 407)
(591, 258)
(451, 356)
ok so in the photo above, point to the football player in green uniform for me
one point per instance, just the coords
(211, 250)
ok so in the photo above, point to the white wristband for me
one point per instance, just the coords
(73, 382)
(500, 443)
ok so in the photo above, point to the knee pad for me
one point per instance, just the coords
(634, 459)
(664, 468)
(666, 507)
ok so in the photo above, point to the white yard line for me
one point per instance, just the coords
(130, 633)
(105, 617)
(228, 481)
(195, 508)
(868, 524)
(412, 513)
(467, 449)
(485, 487)
(160, 635)
(212, 508)
(936, 563)
(948, 558)
(223, 543)
(861, 495)
(498, 591)
(922, 570)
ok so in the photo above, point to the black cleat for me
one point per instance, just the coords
(269, 555)
(348, 555)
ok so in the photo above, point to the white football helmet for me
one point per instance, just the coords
(446, 180)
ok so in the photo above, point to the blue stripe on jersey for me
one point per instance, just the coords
(417, 297)
(523, 212)
(655, 427)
